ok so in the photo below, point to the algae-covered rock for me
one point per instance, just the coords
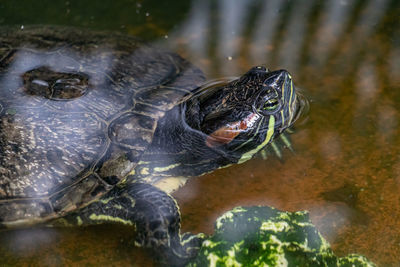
(264, 236)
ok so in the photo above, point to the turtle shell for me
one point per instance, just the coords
(77, 110)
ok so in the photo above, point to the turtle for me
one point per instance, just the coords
(99, 127)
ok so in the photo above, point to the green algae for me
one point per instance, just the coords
(264, 236)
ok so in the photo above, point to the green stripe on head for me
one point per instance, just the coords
(270, 132)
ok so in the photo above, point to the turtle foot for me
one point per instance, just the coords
(180, 253)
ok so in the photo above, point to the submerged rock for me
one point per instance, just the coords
(264, 236)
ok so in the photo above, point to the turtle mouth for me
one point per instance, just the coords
(301, 108)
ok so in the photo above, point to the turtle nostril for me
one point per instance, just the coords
(258, 69)
(261, 68)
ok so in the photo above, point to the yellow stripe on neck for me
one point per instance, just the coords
(271, 128)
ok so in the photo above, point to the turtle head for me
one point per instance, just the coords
(244, 115)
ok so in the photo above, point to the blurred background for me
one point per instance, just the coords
(345, 169)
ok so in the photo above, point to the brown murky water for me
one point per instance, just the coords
(345, 171)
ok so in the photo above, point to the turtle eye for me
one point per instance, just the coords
(271, 104)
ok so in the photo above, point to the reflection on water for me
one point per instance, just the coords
(21, 241)
(346, 165)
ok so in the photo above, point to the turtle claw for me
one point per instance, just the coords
(180, 254)
(192, 243)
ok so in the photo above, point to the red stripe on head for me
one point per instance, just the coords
(227, 133)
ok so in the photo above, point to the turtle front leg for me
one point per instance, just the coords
(153, 213)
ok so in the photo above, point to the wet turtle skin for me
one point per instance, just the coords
(99, 127)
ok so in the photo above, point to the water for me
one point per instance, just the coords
(345, 170)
